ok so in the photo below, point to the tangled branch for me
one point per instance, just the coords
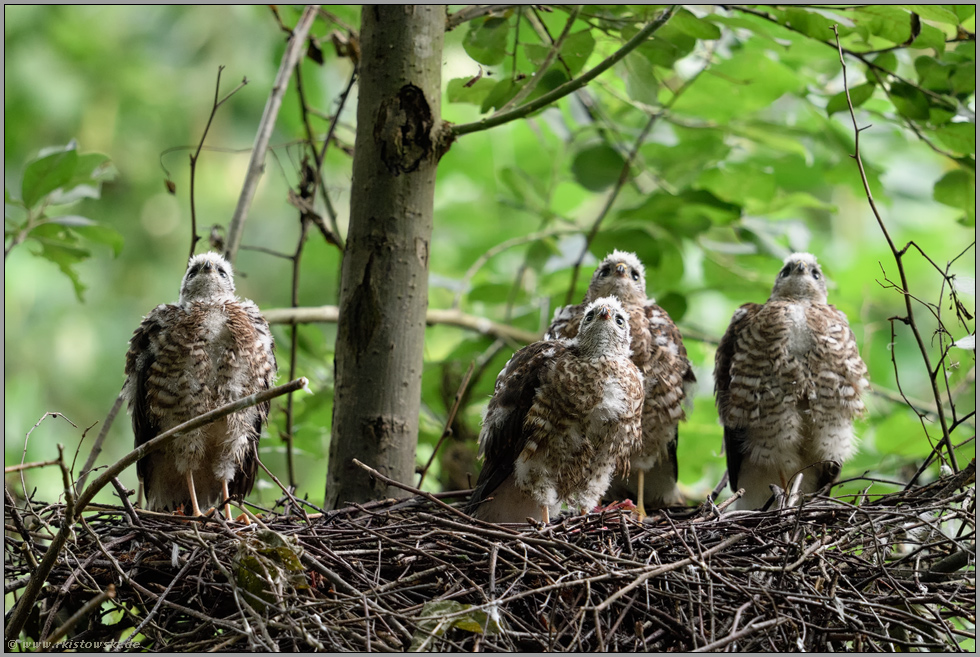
(864, 573)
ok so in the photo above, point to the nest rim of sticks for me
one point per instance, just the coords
(880, 573)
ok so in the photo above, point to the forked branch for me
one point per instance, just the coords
(909, 318)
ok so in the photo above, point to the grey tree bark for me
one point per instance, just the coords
(384, 277)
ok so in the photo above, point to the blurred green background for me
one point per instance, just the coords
(748, 161)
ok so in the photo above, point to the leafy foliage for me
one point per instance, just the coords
(749, 157)
(57, 178)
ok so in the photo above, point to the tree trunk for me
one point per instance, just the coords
(384, 278)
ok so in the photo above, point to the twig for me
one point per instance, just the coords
(323, 156)
(735, 636)
(97, 445)
(28, 466)
(909, 318)
(568, 87)
(500, 248)
(545, 65)
(306, 191)
(256, 164)
(410, 489)
(472, 12)
(329, 315)
(196, 154)
(332, 234)
(447, 429)
(86, 609)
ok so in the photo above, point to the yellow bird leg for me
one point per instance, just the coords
(226, 496)
(190, 487)
(641, 511)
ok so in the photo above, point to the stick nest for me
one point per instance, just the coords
(894, 572)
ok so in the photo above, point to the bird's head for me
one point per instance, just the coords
(209, 278)
(620, 275)
(605, 328)
(800, 278)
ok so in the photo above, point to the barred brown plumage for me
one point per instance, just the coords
(564, 415)
(658, 351)
(788, 385)
(188, 358)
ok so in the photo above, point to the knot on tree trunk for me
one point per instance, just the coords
(403, 130)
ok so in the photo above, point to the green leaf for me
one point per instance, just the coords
(958, 189)
(500, 93)
(964, 80)
(890, 23)
(960, 137)
(687, 214)
(551, 80)
(597, 167)
(739, 86)
(933, 74)
(930, 37)
(103, 235)
(964, 12)
(859, 95)
(909, 101)
(693, 26)
(885, 60)
(940, 111)
(9, 199)
(740, 183)
(936, 13)
(71, 220)
(576, 50)
(475, 93)
(66, 256)
(814, 25)
(46, 174)
(666, 47)
(486, 40)
(641, 81)
(438, 616)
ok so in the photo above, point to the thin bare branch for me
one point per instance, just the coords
(196, 154)
(545, 65)
(472, 12)
(329, 315)
(256, 164)
(447, 428)
(909, 318)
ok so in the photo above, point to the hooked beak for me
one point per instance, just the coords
(621, 268)
(604, 312)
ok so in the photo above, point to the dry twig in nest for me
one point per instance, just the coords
(886, 573)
